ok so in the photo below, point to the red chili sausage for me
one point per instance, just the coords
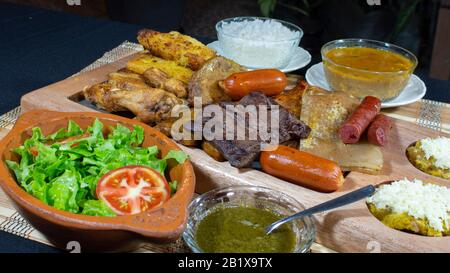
(351, 131)
(379, 130)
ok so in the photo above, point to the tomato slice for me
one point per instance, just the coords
(133, 189)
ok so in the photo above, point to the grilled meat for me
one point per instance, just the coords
(204, 82)
(126, 80)
(158, 79)
(149, 105)
(184, 50)
(126, 90)
(99, 94)
(242, 152)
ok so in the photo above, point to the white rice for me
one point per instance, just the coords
(258, 43)
(259, 30)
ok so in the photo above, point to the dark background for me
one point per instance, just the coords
(42, 42)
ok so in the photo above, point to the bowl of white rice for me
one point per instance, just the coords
(258, 42)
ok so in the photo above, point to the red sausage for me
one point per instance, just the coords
(351, 131)
(379, 130)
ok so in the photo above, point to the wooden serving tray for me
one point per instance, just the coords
(349, 229)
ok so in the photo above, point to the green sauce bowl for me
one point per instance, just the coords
(251, 197)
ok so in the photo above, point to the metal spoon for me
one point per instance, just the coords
(332, 204)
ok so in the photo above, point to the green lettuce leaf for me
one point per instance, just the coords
(97, 208)
(179, 156)
(63, 190)
(73, 129)
(63, 170)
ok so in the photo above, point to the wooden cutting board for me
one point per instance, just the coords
(349, 229)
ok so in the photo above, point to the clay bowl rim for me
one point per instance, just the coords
(134, 223)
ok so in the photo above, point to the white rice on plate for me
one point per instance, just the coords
(258, 43)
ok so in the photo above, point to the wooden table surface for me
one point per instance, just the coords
(431, 114)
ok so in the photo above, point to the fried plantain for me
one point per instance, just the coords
(144, 61)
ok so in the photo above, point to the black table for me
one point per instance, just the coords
(40, 47)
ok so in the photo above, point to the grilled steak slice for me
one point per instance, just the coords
(242, 152)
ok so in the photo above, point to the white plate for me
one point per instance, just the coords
(300, 58)
(414, 90)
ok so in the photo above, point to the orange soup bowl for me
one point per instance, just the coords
(363, 67)
(94, 233)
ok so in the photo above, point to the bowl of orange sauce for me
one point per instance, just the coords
(363, 67)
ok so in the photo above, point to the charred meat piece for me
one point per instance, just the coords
(159, 79)
(242, 152)
(184, 50)
(205, 82)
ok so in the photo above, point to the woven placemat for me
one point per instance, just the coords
(431, 114)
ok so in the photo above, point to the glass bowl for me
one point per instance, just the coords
(361, 83)
(251, 196)
(258, 53)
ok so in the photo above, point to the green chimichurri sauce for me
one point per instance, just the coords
(241, 230)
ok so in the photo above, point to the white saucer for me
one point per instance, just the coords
(414, 90)
(300, 58)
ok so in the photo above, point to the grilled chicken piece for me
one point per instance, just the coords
(149, 105)
(99, 94)
(184, 50)
(205, 82)
(126, 90)
(127, 80)
(291, 99)
(145, 61)
(159, 79)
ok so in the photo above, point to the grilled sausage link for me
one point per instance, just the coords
(302, 168)
(271, 82)
(351, 131)
(379, 130)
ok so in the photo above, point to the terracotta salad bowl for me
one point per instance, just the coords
(97, 233)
